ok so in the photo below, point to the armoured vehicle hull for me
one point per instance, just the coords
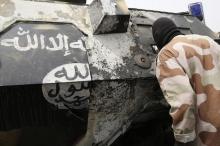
(78, 74)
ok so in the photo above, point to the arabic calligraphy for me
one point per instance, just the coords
(27, 40)
(73, 72)
(67, 95)
(71, 88)
(63, 73)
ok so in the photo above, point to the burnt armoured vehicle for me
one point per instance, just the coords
(77, 74)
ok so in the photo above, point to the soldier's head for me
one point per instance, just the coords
(164, 30)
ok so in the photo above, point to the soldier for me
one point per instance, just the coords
(188, 70)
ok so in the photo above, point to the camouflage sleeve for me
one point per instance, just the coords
(178, 92)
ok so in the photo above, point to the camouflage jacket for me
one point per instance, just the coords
(188, 70)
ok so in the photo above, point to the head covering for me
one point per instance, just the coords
(164, 30)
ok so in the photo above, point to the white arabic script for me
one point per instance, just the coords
(34, 41)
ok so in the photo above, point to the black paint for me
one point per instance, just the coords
(30, 67)
(71, 90)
